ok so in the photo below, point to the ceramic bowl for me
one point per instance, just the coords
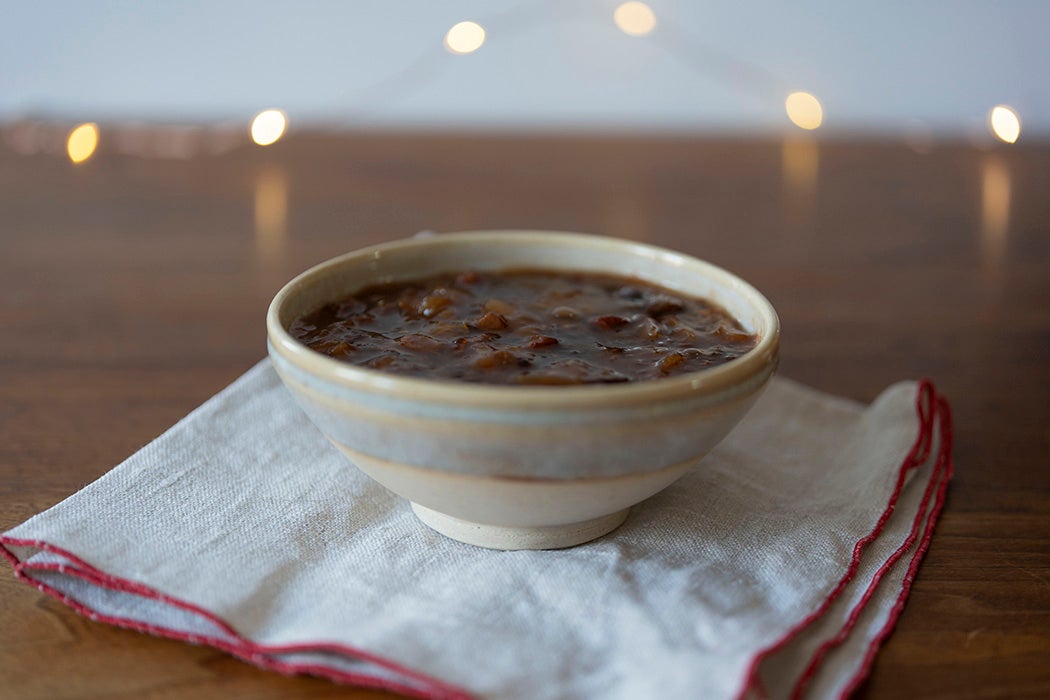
(531, 467)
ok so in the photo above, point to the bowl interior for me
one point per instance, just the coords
(521, 467)
(497, 251)
(508, 250)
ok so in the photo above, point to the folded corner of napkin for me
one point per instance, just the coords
(776, 568)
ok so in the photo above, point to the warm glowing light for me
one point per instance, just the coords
(271, 215)
(800, 163)
(268, 126)
(995, 206)
(1004, 123)
(465, 37)
(804, 110)
(800, 172)
(82, 142)
(635, 18)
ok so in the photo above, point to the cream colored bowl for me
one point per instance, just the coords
(521, 467)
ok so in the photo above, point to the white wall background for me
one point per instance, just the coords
(877, 66)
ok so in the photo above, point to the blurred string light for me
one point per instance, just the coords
(635, 18)
(1004, 123)
(464, 37)
(82, 142)
(804, 110)
(268, 126)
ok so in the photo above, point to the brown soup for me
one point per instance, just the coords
(525, 327)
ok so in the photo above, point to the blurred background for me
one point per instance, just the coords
(204, 153)
(923, 70)
(880, 171)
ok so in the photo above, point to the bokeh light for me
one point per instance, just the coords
(635, 18)
(1004, 123)
(268, 126)
(465, 37)
(271, 216)
(995, 219)
(800, 176)
(804, 110)
(82, 142)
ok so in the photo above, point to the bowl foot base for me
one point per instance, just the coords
(504, 537)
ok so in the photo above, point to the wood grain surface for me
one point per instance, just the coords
(133, 289)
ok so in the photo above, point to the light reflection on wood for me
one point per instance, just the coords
(995, 216)
(271, 216)
(800, 171)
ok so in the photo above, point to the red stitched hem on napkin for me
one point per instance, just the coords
(258, 654)
(933, 412)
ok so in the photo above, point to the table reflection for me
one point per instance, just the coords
(800, 169)
(995, 216)
(271, 216)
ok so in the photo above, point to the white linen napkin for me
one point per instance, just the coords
(777, 566)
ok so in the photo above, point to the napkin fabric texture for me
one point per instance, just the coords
(776, 567)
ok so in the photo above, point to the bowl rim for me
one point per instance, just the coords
(706, 382)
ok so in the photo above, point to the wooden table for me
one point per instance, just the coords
(133, 289)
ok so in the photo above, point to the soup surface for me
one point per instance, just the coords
(525, 327)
